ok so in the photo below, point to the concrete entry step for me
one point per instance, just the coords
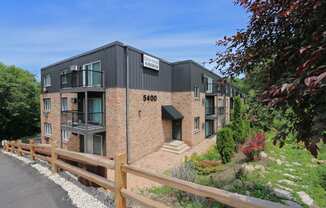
(176, 147)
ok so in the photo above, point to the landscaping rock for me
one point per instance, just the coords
(260, 168)
(291, 204)
(296, 163)
(287, 182)
(279, 162)
(284, 188)
(247, 168)
(306, 199)
(282, 193)
(263, 155)
(292, 177)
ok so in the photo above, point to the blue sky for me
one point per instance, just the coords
(35, 33)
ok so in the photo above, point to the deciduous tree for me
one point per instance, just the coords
(19, 103)
(284, 48)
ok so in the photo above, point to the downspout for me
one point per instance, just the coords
(127, 109)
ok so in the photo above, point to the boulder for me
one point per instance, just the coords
(263, 155)
(306, 199)
(282, 193)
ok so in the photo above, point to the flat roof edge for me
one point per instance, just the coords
(85, 53)
(197, 64)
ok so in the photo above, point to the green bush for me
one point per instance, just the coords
(225, 144)
(240, 126)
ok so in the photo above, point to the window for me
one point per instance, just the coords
(97, 144)
(197, 123)
(221, 110)
(196, 92)
(209, 85)
(92, 74)
(64, 77)
(65, 135)
(47, 104)
(92, 145)
(64, 104)
(47, 80)
(47, 129)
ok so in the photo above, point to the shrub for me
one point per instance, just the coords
(322, 177)
(187, 172)
(254, 146)
(225, 144)
(240, 126)
(240, 131)
(207, 163)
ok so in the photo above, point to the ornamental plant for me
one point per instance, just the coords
(282, 51)
(254, 146)
(225, 144)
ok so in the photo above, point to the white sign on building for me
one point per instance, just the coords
(151, 62)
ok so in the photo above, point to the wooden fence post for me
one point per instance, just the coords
(20, 152)
(5, 147)
(32, 148)
(12, 144)
(54, 156)
(120, 181)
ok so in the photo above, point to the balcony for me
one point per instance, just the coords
(76, 120)
(81, 78)
(210, 110)
(214, 88)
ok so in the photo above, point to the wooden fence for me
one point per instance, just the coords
(58, 159)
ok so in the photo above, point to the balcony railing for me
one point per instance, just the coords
(77, 118)
(81, 78)
(210, 110)
(214, 88)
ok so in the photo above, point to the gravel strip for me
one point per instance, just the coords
(80, 195)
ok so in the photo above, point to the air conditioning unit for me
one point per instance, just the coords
(44, 89)
(74, 68)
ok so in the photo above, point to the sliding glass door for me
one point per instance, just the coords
(95, 112)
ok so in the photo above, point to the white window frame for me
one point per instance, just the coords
(196, 92)
(91, 68)
(65, 135)
(64, 75)
(197, 123)
(47, 105)
(91, 143)
(209, 85)
(62, 106)
(47, 129)
(47, 80)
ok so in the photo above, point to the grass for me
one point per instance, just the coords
(298, 163)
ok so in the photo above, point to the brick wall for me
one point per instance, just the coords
(53, 117)
(147, 130)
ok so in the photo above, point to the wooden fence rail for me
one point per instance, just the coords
(58, 159)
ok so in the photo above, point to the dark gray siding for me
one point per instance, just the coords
(107, 56)
(181, 77)
(141, 77)
(197, 74)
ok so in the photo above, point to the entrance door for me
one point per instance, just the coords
(176, 129)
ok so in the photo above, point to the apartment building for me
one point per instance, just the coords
(117, 98)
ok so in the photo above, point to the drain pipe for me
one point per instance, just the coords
(127, 106)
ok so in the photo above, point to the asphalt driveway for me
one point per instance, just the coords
(23, 187)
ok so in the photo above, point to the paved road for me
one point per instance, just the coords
(21, 186)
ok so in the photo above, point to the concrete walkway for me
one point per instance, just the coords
(23, 187)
